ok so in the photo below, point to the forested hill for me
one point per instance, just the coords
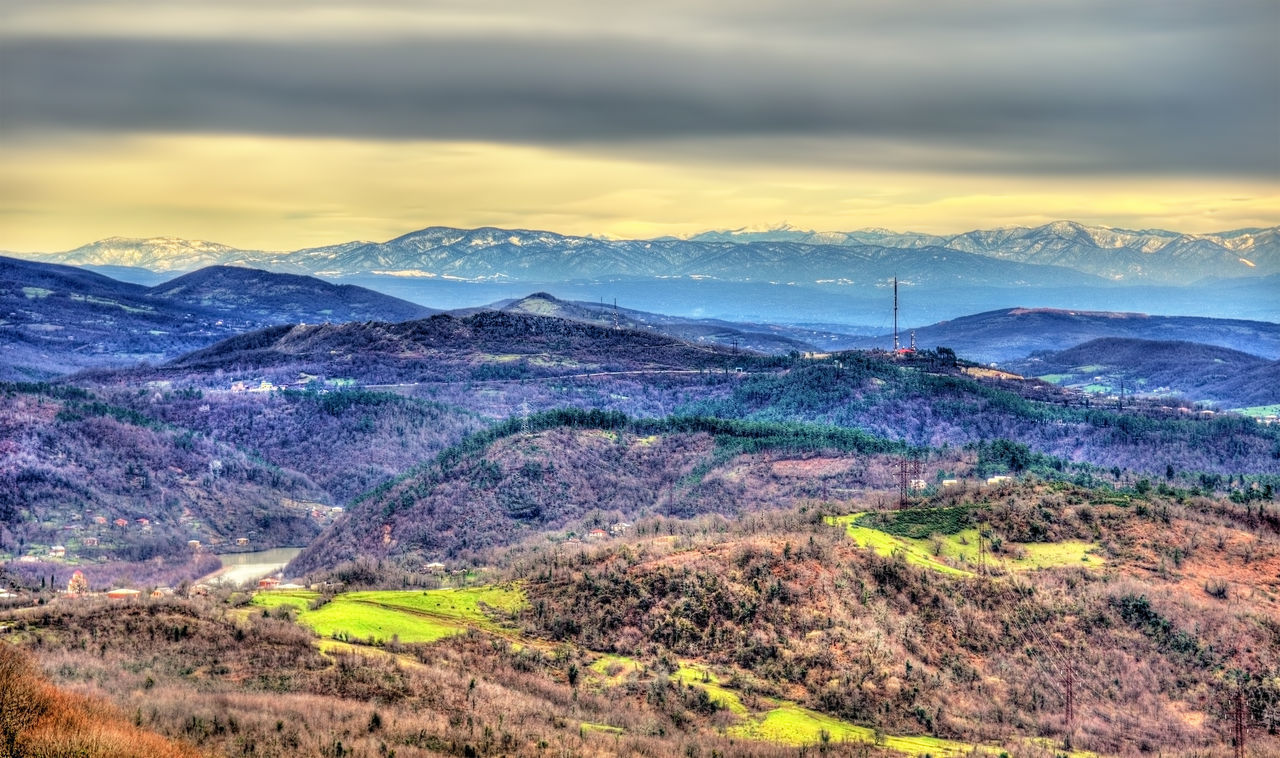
(559, 468)
(511, 345)
(345, 442)
(71, 465)
(505, 484)
(928, 407)
(1229, 378)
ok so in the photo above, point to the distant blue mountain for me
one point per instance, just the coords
(1056, 254)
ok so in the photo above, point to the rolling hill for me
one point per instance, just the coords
(58, 319)
(55, 319)
(1228, 378)
(501, 364)
(269, 298)
(1010, 334)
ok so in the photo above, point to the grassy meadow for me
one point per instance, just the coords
(408, 616)
(956, 554)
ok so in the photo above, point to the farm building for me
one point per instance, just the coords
(124, 594)
(269, 583)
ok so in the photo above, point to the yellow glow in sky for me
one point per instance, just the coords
(286, 193)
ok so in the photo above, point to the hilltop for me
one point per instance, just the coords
(1228, 378)
(489, 344)
(764, 338)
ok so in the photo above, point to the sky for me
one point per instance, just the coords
(288, 124)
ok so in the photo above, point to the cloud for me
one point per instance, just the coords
(1052, 88)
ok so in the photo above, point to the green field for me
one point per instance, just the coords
(916, 552)
(788, 723)
(791, 724)
(699, 676)
(957, 553)
(410, 616)
(1259, 411)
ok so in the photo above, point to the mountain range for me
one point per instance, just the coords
(1153, 255)
(1074, 253)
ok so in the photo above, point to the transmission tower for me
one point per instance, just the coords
(909, 471)
(524, 417)
(1238, 720)
(982, 549)
(1069, 693)
(895, 314)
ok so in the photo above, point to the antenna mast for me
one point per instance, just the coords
(895, 314)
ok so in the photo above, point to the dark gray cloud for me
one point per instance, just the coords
(1168, 87)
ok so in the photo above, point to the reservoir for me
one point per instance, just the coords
(245, 568)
